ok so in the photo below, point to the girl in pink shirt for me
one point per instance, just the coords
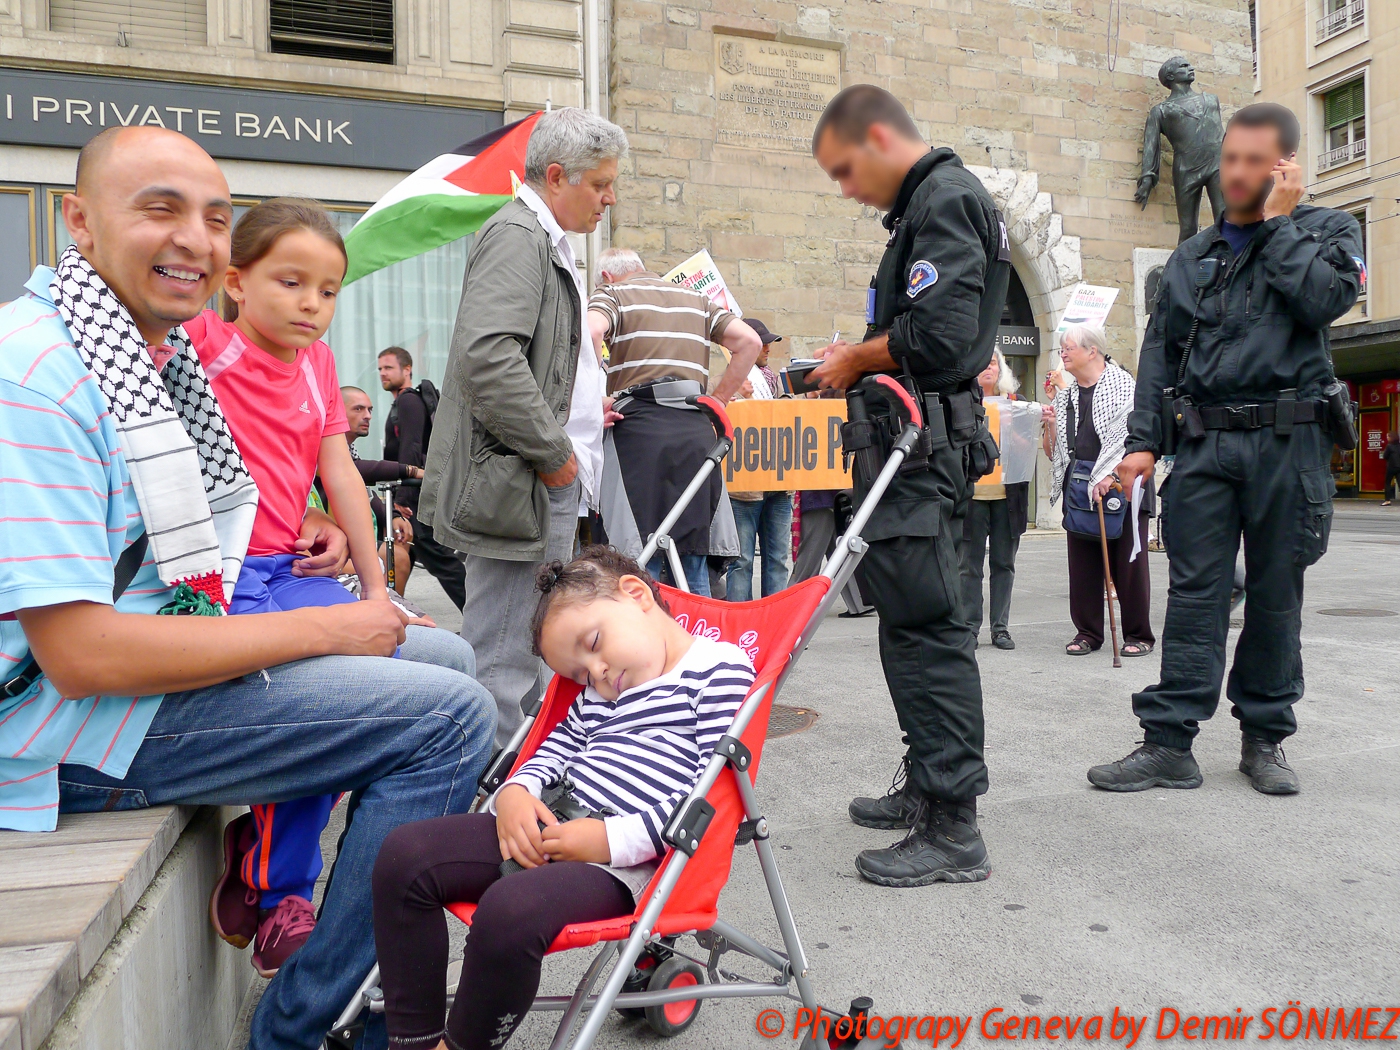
(276, 382)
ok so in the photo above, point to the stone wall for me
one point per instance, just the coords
(1027, 91)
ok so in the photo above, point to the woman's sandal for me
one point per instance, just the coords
(1135, 649)
(1079, 647)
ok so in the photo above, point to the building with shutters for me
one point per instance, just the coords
(334, 99)
(1326, 60)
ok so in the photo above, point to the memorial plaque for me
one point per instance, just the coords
(771, 92)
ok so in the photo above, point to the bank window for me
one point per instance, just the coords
(353, 30)
(133, 23)
(1344, 117)
(412, 304)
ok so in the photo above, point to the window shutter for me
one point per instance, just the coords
(135, 23)
(1345, 103)
(358, 30)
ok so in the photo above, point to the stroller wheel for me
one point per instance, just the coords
(674, 1018)
(640, 977)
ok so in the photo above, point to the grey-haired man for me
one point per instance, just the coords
(517, 440)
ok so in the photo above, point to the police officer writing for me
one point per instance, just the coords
(932, 317)
(1235, 376)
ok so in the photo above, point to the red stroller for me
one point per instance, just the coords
(652, 976)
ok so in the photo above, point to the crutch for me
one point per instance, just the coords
(1111, 590)
(498, 769)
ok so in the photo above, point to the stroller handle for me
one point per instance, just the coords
(719, 419)
(898, 396)
(716, 413)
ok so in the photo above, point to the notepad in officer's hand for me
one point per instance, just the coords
(797, 376)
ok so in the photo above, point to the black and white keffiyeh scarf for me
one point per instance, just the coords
(1113, 401)
(197, 499)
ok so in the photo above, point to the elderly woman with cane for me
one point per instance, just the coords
(1086, 429)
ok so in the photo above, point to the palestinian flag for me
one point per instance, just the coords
(445, 199)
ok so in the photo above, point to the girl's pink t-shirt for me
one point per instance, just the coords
(278, 414)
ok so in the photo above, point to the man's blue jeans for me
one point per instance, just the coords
(769, 521)
(697, 573)
(412, 734)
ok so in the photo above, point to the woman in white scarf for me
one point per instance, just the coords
(1095, 407)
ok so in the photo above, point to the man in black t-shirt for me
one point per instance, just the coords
(406, 431)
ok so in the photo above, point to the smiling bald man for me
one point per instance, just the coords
(124, 496)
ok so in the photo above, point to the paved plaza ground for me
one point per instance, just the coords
(1204, 901)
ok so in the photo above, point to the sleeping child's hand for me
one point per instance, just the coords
(583, 839)
(518, 816)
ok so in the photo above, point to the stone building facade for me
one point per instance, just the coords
(1324, 59)
(1044, 99)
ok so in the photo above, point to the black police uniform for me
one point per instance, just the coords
(1253, 446)
(938, 295)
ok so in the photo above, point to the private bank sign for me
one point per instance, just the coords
(61, 109)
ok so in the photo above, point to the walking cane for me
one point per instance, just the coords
(1111, 590)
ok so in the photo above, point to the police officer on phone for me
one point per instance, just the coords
(932, 315)
(1235, 377)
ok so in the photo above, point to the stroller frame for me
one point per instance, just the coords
(687, 826)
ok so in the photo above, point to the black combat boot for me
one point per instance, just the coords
(1151, 765)
(1266, 766)
(943, 845)
(894, 810)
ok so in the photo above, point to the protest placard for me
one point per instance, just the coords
(1088, 304)
(785, 445)
(700, 273)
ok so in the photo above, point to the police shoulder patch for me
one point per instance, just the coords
(922, 275)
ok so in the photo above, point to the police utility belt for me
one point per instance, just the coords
(952, 419)
(1183, 419)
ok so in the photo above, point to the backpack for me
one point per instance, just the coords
(429, 393)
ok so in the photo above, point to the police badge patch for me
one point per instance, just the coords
(921, 275)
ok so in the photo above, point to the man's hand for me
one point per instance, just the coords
(1287, 191)
(585, 839)
(840, 369)
(745, 391)
(518, 817)
(610, 415)
(844, 363)
(563, 476)
(1133, 466)
(1144, 189)
(413, 472)
(364, 628)
(326, 546)
(403, 531)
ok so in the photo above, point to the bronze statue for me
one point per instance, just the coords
(1191, 121)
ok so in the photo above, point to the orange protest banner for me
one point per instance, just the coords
(786, 445)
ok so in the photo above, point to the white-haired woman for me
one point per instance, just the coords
(997, 513)
(1084, 436)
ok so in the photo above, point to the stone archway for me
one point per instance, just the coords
(1048, 261)
(1049, 264)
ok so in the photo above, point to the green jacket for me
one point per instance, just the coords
(505, 397)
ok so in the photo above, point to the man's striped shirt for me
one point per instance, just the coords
(67, 511)
(639, 757)
(657, 329)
